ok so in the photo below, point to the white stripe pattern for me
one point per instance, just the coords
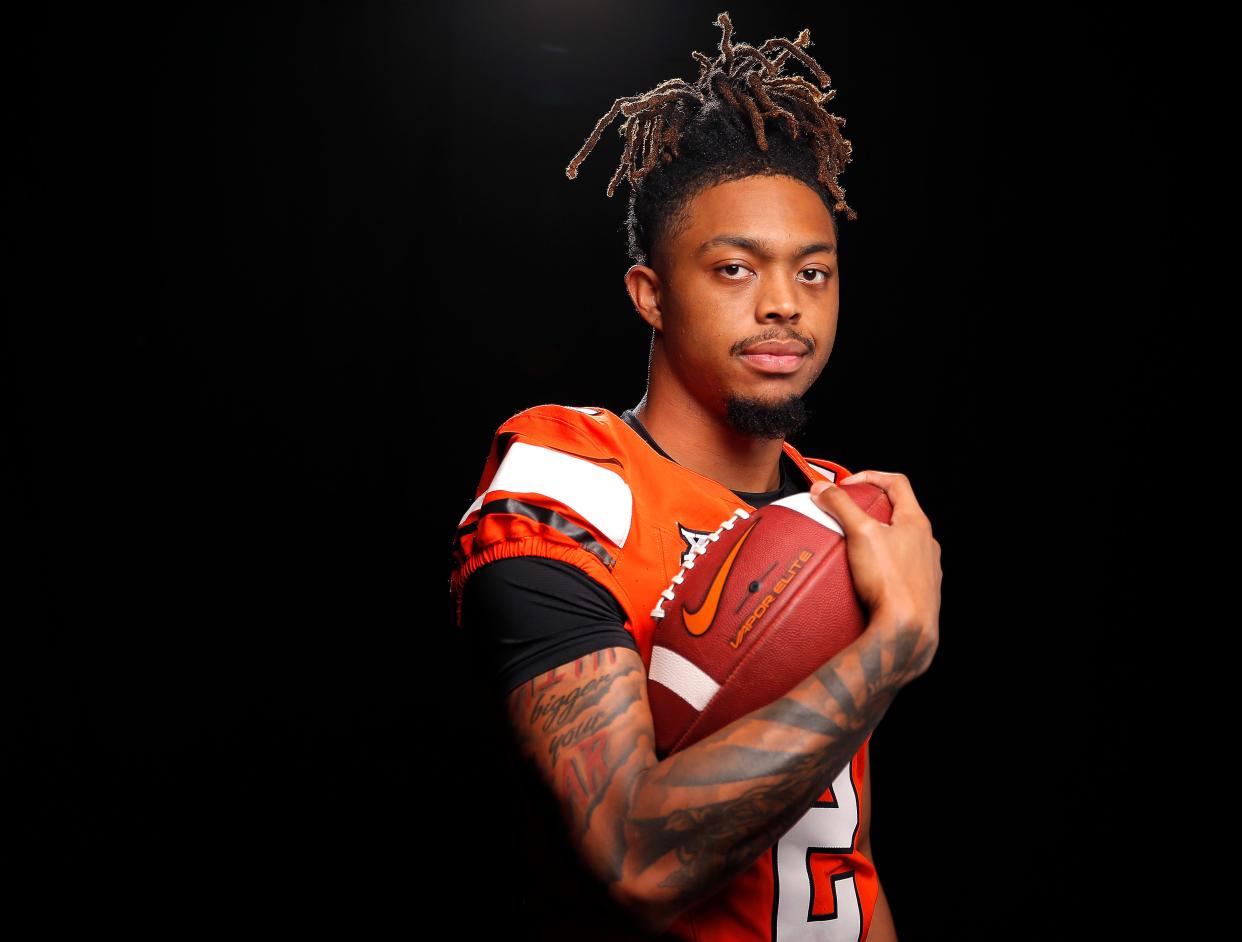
(687, 680)
(803, 504)
(600, 496)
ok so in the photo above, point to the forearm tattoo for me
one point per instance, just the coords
(685, 826)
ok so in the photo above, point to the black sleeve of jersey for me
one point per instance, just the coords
(527, 614)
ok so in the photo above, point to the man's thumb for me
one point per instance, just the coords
(834, 501)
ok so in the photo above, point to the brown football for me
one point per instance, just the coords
(761, 603)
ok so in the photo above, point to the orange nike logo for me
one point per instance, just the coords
(699, 620)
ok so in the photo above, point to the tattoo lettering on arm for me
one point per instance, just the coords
(568, 725)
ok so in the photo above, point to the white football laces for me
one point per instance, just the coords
(698, 549)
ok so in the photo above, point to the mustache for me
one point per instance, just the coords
(741, 345)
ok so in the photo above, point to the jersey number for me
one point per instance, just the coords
(813, 905)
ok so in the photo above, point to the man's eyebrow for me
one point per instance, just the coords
(761, 248)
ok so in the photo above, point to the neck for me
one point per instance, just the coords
(704, 442)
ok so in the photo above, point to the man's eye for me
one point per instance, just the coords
(817, 271)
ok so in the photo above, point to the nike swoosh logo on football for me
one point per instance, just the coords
(698, 621)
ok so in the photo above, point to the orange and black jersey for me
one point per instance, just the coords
(526, 615)
(586, 491)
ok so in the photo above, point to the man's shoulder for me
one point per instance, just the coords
(555, 484)
(590, 431)
(571, 460)
(555, 414)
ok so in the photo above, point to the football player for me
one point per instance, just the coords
(760, 831)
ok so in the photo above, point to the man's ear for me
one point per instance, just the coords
(643, 285)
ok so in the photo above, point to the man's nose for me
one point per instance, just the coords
(778, 303)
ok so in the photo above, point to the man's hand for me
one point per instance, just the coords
(895, 566)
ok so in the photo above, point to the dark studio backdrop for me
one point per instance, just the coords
(276, 276)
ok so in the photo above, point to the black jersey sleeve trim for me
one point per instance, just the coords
(526, 615)
(543, 515)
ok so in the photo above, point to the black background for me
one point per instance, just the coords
(278, 273)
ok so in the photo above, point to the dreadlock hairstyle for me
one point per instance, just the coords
(681, 138)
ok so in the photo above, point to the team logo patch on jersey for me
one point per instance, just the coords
(691, 538)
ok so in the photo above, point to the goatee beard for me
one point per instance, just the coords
(762, 418)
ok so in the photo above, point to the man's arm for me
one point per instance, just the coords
(663, 835)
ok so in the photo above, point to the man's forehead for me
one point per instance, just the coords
(779, 211)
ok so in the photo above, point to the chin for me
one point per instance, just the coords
(775, 416)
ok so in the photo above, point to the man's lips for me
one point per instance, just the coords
(775, 356)
(777, 347)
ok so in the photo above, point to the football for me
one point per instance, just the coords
(759, 604)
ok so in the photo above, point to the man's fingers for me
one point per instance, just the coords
(871, 476)
(895, 485)
(838, 504)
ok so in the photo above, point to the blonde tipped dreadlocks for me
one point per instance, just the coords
(750, 83)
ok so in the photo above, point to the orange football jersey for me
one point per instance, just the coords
(578, 484)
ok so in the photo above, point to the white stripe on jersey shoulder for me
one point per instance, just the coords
(600, 496)
(804, 505)
(683, 677)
